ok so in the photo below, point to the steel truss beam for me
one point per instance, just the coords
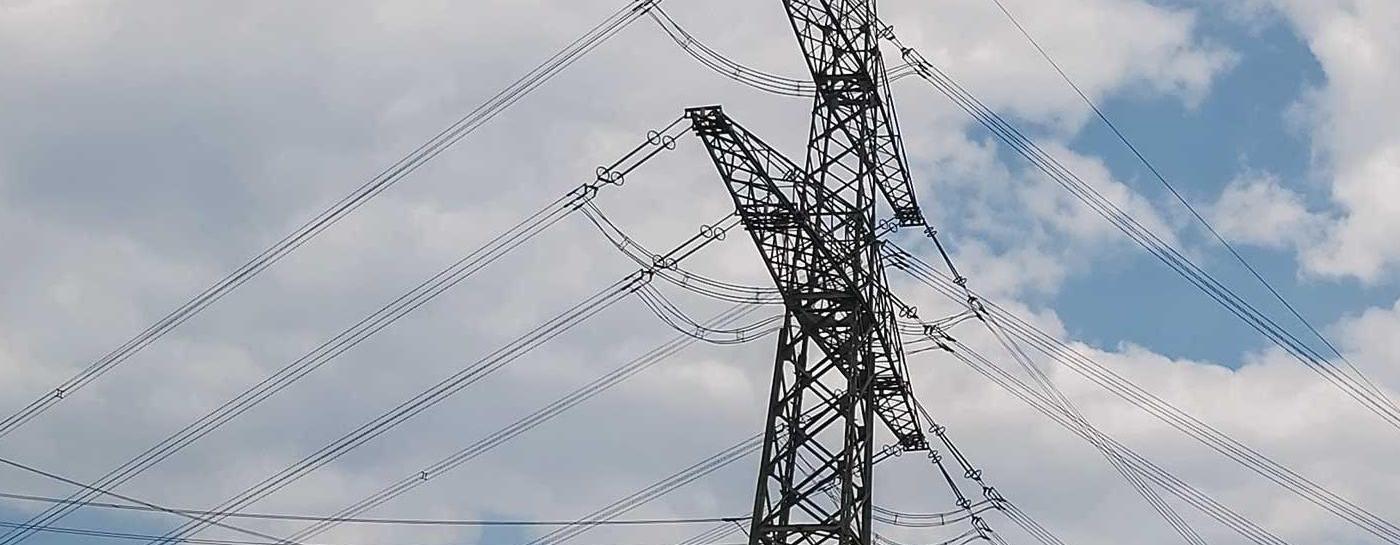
(839, 361)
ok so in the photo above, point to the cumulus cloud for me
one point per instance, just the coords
(1354, 130)
(1257, 209)
(1109, 46)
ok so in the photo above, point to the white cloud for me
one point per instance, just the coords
(1257, 209)
(1107, 46)
(1356, 131)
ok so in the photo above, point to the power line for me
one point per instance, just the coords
(653, 491)
(659, 488)
(721, 64)
(1366, 381)
(1038, 400)
(1208, 435)
(390, 176)
(1164, 252)
(1049, 400)
(451, 385)
(424, 400)
(31, 527)
(521, 426)
(1364, 392)
(386, 315)
(1097, 438)
(1060, 403)
(129, 536)
(367, 520)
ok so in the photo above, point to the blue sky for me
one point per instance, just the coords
(1242, 125)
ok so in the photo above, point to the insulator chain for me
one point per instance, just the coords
(615, 174)
(713, 232)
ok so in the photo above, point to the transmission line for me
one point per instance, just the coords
(968, 511)
(1144, 237)
(56, 477)
(759, 79)
(676, 274)
(126, 536)
(1154, 473)
(1097, 438)
(1364, 392)
(968, 536)
(1060, 402)
(536, 223)
(1044, 403)
(129, 536)
(451, 385)
(1365, 381)
(1050, 401)
(523, 425)
(991, 494)
(1218, 441)
(655, 490)
(337, 519)
(458, 130)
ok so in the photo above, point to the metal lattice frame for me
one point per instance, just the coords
(839, 363)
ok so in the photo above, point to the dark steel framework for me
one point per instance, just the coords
(839, 363)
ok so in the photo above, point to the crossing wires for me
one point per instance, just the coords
(439, 143)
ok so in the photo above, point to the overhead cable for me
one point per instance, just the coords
(519, 427)
(1354, 371)
(1158, 476)
(1154, 405)
(660, 488)
(450, 385)
(368, 520)
(752, 77)
(1155, 245)
(458, 130)
(27, 468)
(388, 314)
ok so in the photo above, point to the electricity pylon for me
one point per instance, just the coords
(839, 363)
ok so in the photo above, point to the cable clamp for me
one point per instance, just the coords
(977, 307)
(586, 193)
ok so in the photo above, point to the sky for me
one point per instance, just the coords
(150, 147)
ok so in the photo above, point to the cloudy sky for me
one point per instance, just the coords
(147, 148)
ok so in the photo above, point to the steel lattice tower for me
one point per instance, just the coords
(839, 365)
